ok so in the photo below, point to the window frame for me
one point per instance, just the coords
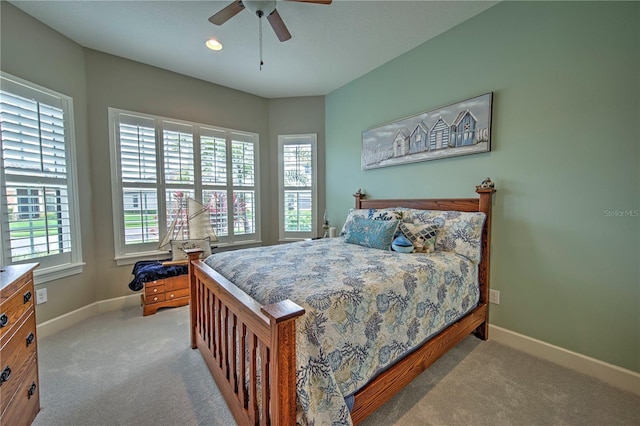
(52, 267)
(128, 254)
(291, 139)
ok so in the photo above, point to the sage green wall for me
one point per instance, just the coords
(565, 158)
(34, 52)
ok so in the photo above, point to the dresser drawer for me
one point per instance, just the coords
(154, 298)
(26, 402)
(17, 356)
(13, 307)
(176, 283)
(175, 294)
(156, 287)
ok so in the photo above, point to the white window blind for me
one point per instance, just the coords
(39, 209)
(297, 171)
(137, 142)
(161, 161)
(178, 153)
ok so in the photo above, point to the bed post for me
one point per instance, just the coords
(359, 195)
(282, 362)
(485, 191)
(193, 254)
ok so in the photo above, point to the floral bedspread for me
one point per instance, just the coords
(365, 309)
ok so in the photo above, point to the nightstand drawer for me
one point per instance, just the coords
(177, 293)
(153, 289)
(177, 283)
(154, 298)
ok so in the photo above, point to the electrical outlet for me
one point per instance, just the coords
(41, 296)
(494, 297)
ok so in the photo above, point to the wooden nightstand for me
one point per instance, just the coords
(165, 293)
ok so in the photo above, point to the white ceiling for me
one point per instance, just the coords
(330, 45)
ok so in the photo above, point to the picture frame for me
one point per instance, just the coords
(462, 128)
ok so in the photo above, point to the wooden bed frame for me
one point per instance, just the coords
(224, 320)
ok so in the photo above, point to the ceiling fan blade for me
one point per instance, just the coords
(313, 1)
(278, 26)
(227, 13)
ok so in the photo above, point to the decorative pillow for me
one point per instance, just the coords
(372, 233)
(376, 214)
(352, 213)
(423, 236)
(179, 246)
(462, 233)
(402, 244)
(459, 232)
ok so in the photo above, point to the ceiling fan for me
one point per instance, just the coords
(260, 8)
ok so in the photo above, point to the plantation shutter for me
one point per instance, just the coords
(213, 154)
(243, 172)
(297, 186)
(159, 162)
(178, 154)
(139, 177)
(298, 180)
(36, 193)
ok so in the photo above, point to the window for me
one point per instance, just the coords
(297, 177)
(158, 162)
(39, 201)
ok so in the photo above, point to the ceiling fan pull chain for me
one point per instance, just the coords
(260, 19)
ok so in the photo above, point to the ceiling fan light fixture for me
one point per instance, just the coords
(264, 6)
(213, 44)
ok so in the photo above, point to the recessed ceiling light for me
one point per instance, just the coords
(213, 44)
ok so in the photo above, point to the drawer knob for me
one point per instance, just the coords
(172, 296)
(27, 297)
(155, 290)
(155, 299)
(32, 390)
(4, 320)
(30, 338)
(4, 376)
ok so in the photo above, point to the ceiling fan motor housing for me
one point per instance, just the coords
(260, 7)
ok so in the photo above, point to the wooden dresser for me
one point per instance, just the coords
(19, 387)
(165, 293)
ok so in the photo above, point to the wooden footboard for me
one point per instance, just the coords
(251, 349)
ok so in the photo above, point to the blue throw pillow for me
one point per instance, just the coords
(376, 234)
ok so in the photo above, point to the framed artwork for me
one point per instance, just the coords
(462, 128)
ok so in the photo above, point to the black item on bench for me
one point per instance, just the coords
(151, 270)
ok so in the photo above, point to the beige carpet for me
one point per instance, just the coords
(120, 368)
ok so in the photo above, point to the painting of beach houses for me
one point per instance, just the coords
(459, 129)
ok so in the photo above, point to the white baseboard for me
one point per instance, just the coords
(54, 325)
(615, 376)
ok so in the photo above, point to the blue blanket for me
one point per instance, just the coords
(151, 270)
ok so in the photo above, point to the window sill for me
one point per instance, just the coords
(293, 240)
(41, 276)
(131, 258)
